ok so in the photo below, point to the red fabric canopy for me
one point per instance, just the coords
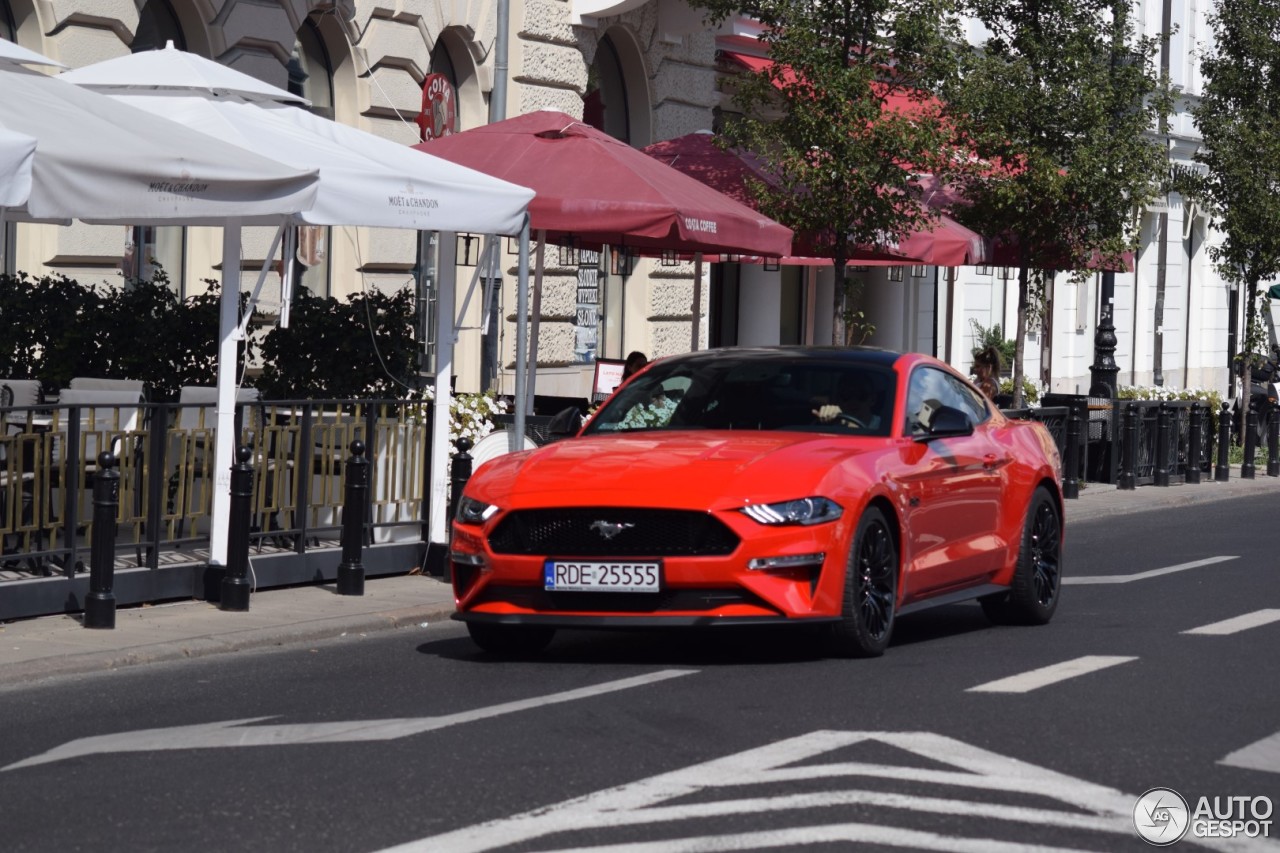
(601, 190)
(946, 244)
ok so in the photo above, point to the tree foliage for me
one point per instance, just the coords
(1062, 106)
(1239, 119)
(816, 117)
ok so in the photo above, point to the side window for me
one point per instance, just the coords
(930, 388)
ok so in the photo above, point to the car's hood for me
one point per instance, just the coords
(696, 469)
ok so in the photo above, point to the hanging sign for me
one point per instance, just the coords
(439, 116)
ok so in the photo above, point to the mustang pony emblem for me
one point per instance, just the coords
(609, 529)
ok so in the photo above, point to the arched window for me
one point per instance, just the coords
(605, 106)
(311, 76)
(150, 248)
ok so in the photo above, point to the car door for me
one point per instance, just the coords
(953, 487)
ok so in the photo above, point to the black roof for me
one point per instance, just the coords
(854, 355)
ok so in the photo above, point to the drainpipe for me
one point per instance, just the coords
(498, 97)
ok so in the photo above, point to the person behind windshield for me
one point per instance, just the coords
(854, 402)
(634, 362)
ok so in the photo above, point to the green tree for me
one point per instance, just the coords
(1058, 106)
(1239, 120)
(816, 117)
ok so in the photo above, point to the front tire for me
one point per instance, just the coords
(1037, 579)
(870, 591)
(510, 641)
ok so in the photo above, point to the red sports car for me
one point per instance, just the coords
(840, 487)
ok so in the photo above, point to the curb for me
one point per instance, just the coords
(325, 628)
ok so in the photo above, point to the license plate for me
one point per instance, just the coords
(588, 576)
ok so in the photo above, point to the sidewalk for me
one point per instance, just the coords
(46, 646)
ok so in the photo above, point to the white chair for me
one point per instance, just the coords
(92, 383)
(191, 449)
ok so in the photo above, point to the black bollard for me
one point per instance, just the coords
(459, 474)
(351, 570)
(1247, 468)
(235, 584)
(1071, 482)
(1128, 476)
(100, 604)
(1223, 472)
(1195, 443)
(1162, 446)
(1273, 442)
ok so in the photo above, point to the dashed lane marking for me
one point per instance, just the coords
(1027, 681)
(1142, 576)
(1236, 624)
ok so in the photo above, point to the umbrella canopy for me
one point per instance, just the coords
(171, 68)
(601, 190)
(364, 179)
(17, 151)
(16, 54)
(104, 162)
(946, 244)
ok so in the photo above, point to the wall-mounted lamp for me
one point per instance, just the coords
(621, 261)
(895, 273)
(1004, 273)
(917, 271)
(468, 250)
(670, 258)
(984, 270)
(772, 264)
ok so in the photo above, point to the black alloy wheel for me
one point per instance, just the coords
(1037, 580)
(870, 590)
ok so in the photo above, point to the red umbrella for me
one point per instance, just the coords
(946, 244)
(601, 190)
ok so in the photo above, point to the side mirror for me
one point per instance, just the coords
(947, 421)
(565, 423)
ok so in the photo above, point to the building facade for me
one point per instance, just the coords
(644, 71)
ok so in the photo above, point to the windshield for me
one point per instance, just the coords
(809, 395)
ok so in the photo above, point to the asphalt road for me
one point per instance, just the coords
(964, 736)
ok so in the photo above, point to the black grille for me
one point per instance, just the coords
(581, 532)
(544, 601)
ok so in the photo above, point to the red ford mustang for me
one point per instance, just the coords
(839, 487)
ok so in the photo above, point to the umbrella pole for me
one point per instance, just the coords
(225, 409)
(535, 321)
(441, 451)
(697, 301)
(516, 439)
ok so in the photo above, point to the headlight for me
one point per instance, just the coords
(801, 511)
(472, 511)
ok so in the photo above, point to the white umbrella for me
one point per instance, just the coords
(171, 69)
(364, 179)
(17, 151)
(16, 54)
(105, 162)
(101, 161)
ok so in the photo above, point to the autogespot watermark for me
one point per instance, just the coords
(1162, 817)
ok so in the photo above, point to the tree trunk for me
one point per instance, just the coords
(1020, 342)
(840, 299)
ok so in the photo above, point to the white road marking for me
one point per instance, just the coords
(1236, 624)
(860, 833)
(1090, 807)
(1046, 675)
(1141, 576)
(229, 733)
(1261, 755)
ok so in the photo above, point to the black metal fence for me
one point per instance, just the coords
(297, 451)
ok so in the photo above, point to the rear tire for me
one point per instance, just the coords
(870, 591)
(1037, 579)
(510, 641)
